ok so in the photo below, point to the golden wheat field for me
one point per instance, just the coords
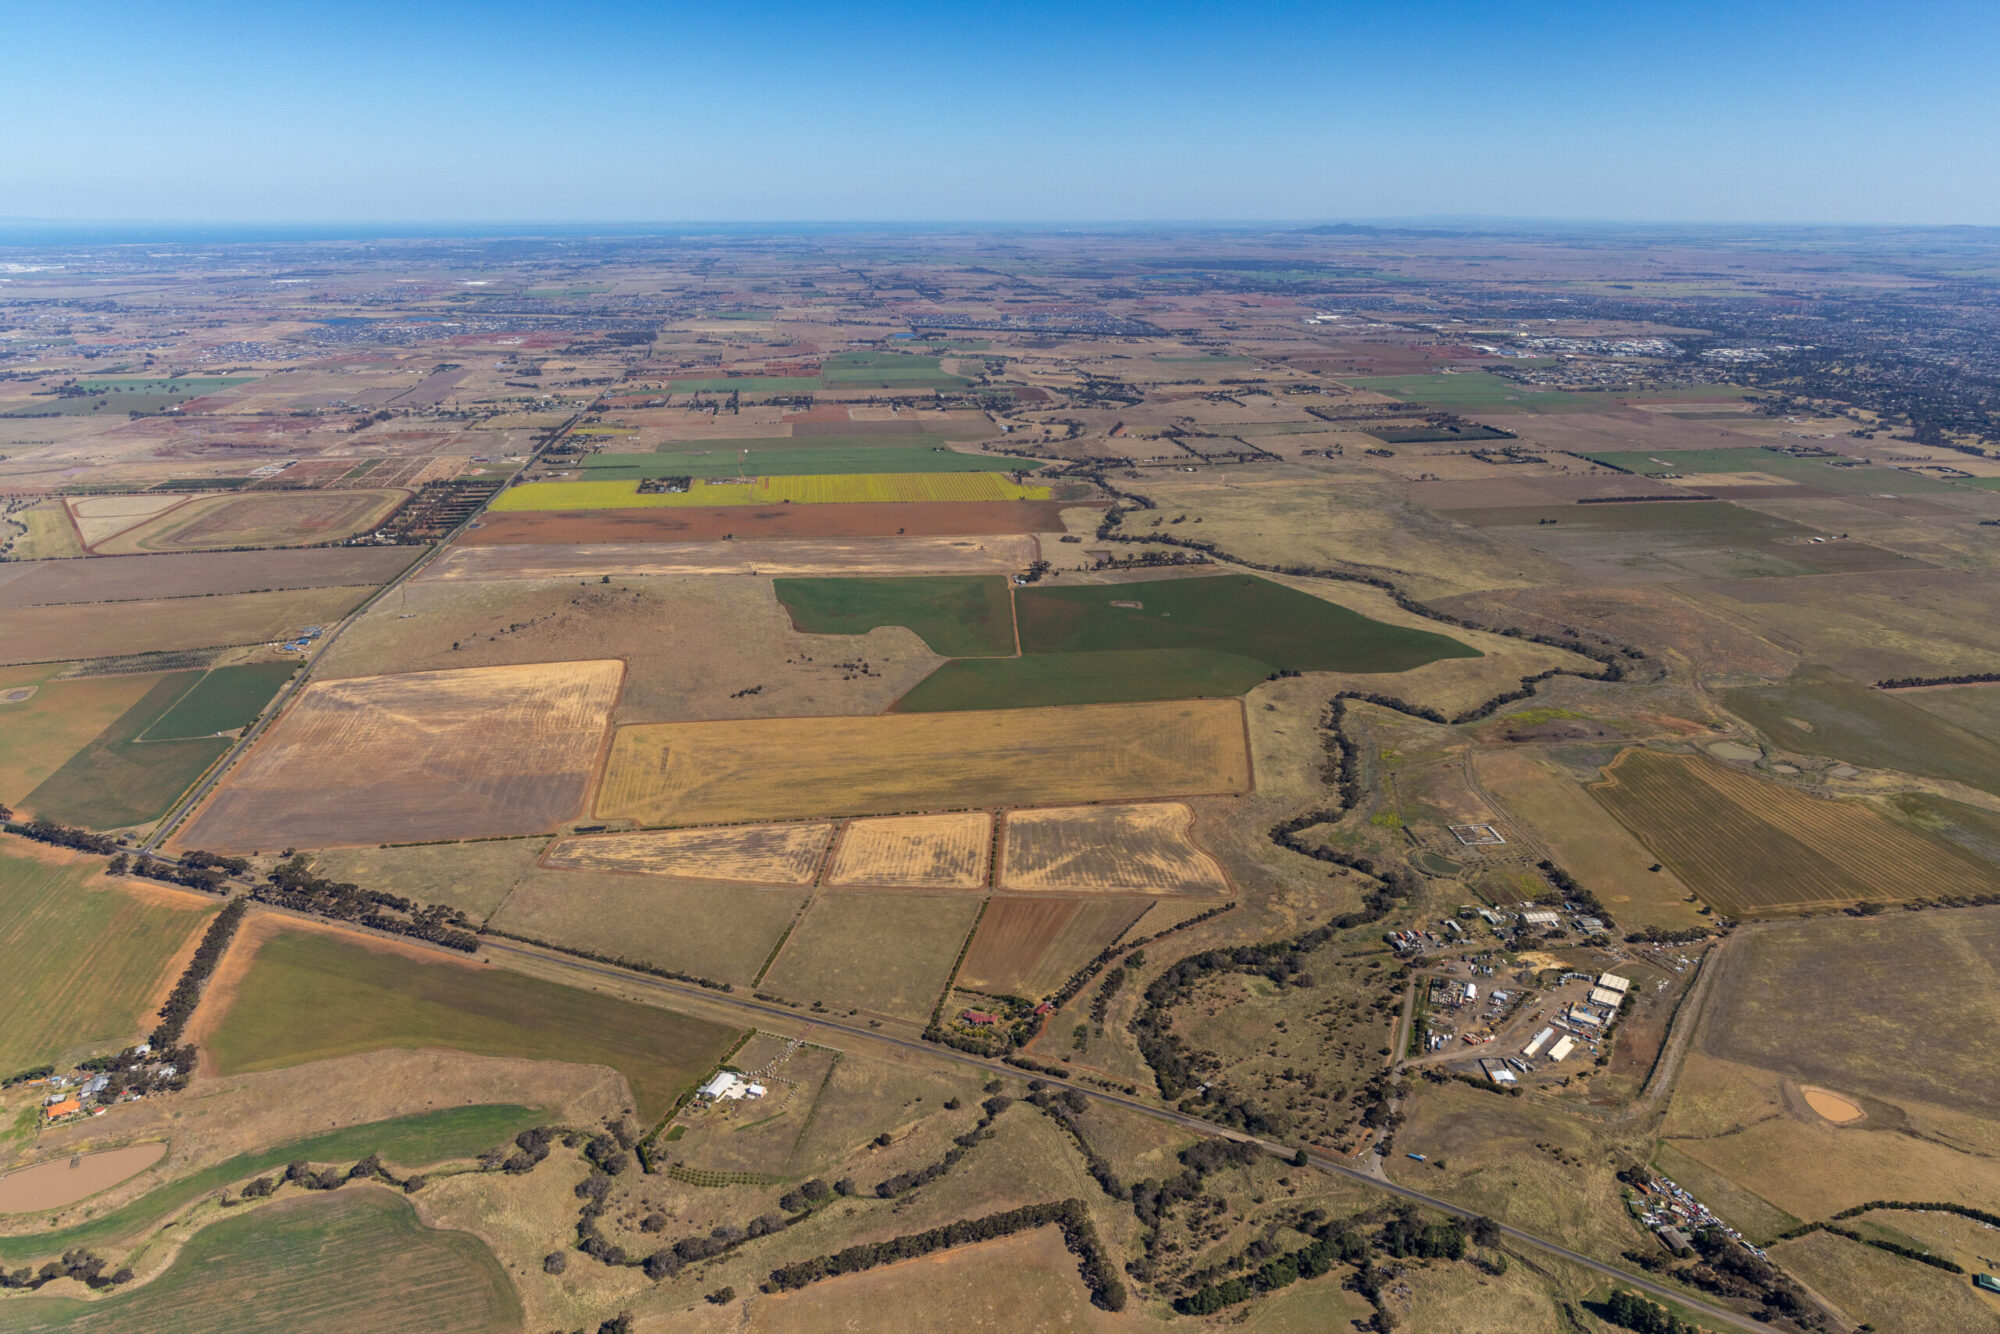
(802, 768)
(769, 854)
(1749, 845)
(467, 753)
(915, 852)
(1142, 849)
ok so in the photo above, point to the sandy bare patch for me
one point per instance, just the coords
(915, 852)
(771, 854)
(1831, 1105)
(1119, 849)
(61, 1181)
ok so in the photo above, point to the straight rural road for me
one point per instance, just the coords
(194, 797)
(763, 1009)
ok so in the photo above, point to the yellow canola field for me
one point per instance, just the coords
(917, 488)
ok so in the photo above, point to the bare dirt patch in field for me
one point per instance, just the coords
(714, 523)
(771, 769)
(1142, 849)
(1831, 1105)
(452, 754)
(915, 852)
(60, 1181)
(773, 854)
(869, 555)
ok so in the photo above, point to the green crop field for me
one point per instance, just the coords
(1111, 677)
(418, 1140)
(886, 370)
(186, 387)
(882, 454)
(958, 616)
(359, 1260)
(1476, 392)
(80, 958)
(748, 384)
(309, 996)
(1231, 613)
(857, 435)
(222, 701)
(1820, 713)
(119, 780)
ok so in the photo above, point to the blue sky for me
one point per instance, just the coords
(1612, 110)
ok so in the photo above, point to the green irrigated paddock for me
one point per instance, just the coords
(119, 780)
(959, 616)
(222, 701)
(310, 996)
(1476, 391)
(1232, 613)
(1110, 677)
(357, 1259)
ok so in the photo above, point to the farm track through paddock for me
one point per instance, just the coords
(464, 753)
(914, 852)
(772, 854)
(1005, 554)
(1750, 845)
(768, 523)
(1145, 848)
(791, 768)
(200, 574)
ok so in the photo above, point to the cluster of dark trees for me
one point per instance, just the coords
(798, 1205)
(1728, 1270)
(1311, 1261)
(76, 1264)
(291, 884)
(48, 831)
(1113, 983)
(179, 1007)
(1963, 679)
(1925, 1207)
(1628, 1310)
(1572, 889)
(1064, 1107)
(1343, 758)
(204, 871)
(904, 1182)
(1661, 936)
(1107, 1290)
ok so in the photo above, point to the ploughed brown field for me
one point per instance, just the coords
(469, 753)
(1029, 947)
(713, 523)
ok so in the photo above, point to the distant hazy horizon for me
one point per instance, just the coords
(1702, 112)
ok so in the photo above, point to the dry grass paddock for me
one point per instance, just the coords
(477, 752)
(771, 854)
(1144, 849)
(791, 768)
(915, 852)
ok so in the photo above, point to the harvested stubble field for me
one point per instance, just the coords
(713, 523)
(915, 852)
(1751, 846)
(39, 734)
(118, 779)
(1029, 947)
(293, 1265)
(888, 954)
(871, 555)
(1143, 849)
(198, 574)
(262, 519)
(906, 488)
(286, 996)
(957, 617)
(772, 854)
(793, 768)
(80, 630)
(473, 752)
(83, 959)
